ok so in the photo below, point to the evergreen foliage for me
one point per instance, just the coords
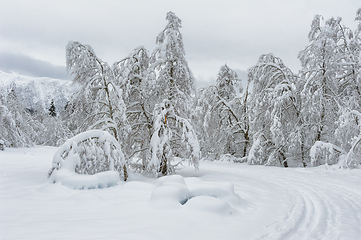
(52, 111)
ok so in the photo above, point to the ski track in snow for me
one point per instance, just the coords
(278, 203)
(319, 210)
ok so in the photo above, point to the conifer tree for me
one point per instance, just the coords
(52, 110)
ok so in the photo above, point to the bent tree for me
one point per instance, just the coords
(98, 104)
(274, 110)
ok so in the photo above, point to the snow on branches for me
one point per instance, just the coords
(90, 152)
(174, 78)
(173, 138)
(99, 103)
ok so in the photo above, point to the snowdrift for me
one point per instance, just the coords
(193, 194)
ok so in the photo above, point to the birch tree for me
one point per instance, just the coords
(172, 134)
(174, 79)
(274, 112)
(132, 76)
(221, 116)
(98, 104)
(320, 91)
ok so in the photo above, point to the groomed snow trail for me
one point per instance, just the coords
(306, 203)
(277, 203)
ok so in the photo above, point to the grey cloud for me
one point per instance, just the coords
(25, 65)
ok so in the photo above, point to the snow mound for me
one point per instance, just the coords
(82, 181)
(171, 192)
(210, 204)
(220, 190)
(176, 192)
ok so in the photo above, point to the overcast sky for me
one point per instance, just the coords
(33, 34)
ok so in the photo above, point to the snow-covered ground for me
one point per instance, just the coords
(267, 203)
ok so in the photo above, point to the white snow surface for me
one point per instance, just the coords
(222, 200)
(83, 181)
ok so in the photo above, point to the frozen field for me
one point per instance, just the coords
(267, 203)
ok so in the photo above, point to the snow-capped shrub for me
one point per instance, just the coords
(322, 153)
(89, 153)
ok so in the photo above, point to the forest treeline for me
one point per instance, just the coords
(149, 104)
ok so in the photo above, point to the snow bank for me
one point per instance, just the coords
(216, 198)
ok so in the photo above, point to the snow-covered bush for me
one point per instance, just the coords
(322, 153)
(89, 153)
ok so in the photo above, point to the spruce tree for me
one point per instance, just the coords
(52, 110)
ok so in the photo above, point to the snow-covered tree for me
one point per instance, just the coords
(232, 113)
(348, 51)
(89, 153)
(348, 136)
(173, 140)
(274, 111)
(52, 110)
(325, 153)
(174, 79)
(286, 129)
(320, 91)
(132, 77)
(99, 103)
(8, 131)
(226, 81)
(331, 66)
(20, 128)
(220, 115)
(55, 132)
(172, 135)
(206, 124)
